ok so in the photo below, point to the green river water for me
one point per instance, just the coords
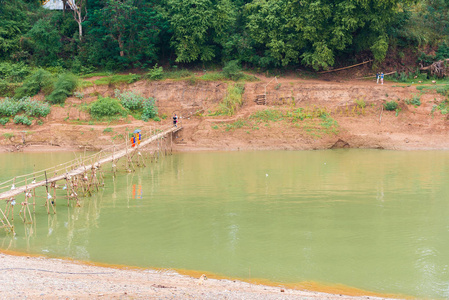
(370, 219)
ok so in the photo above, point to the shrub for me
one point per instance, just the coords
(415, 100)
(391, 105)
(21, 119)
(105, 107)
(33, 84)
(35, 108)
(6, 88)
(156, 73)
(232, 101)
(78, 95)
(149, 110)
(10, 107)
(232, 70)
(137, 103)
(14, 72)
(3, 121)
(360, 103)
(443, 107)
(130, 100)
(64, 87)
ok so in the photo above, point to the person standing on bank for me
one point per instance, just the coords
(175, 120)
(382, 78)
(377, 77)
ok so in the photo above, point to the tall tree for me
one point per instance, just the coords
(117, 17)
(199, 27)
(44, 42)
(14, 22)
(127, 31)
(79, 8)
(313, 31)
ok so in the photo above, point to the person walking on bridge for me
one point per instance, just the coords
(175, 120)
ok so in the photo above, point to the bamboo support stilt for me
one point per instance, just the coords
(5, 222)
(79, 176)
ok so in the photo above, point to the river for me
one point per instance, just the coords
(374, 220)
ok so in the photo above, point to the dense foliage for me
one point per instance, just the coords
(34, 83)
(137, 103)
(123, 34)
(63, 87)
(106, 107)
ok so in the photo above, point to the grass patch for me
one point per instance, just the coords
(85, 84)
(267, 115)
(441, 89)
(415, 100)
(220, 76)
(117, 79)
(236, 125)
(231, 71)
(213, 76)
(8, 135)
(96, 74)
(232, 100)
(314, 121)
(177, 74)
(443, 107)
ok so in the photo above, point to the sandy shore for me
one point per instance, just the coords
(25, 277)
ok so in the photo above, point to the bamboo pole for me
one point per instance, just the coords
(348, 67)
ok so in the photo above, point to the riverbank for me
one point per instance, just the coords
(45, 278)
(298, 115)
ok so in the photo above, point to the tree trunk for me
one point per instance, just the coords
(80, 28)
(121, 45)
(78, 16)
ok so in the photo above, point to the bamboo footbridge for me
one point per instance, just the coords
(81, 175)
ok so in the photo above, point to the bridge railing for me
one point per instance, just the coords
(83, 160)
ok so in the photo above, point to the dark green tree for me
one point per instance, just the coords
(127, 31)
(13, 24)
(199, 27)
(44, 42)
(313, 31)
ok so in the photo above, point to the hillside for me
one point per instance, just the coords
(300, 114)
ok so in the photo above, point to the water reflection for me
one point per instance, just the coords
(375, 220)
